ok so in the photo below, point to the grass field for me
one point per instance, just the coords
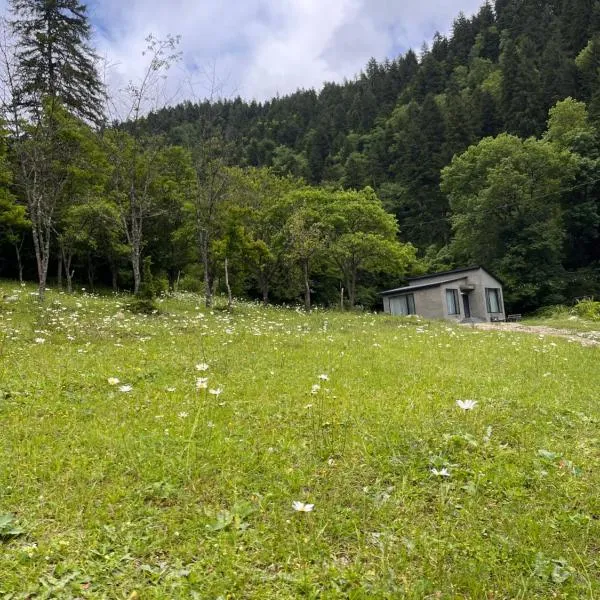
(179, 480)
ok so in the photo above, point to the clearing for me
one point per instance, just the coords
(182, 479)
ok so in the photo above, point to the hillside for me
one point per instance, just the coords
(400, 122)
(483, 148)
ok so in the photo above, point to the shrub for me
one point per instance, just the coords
(587, 309)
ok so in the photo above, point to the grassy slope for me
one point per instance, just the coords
(178, 494)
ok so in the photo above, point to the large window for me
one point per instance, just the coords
(452, 302)
(403, 305)
(492, 297)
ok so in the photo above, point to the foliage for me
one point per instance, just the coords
(505, 195)
(54, 58)
(588, 309)
(255, 185)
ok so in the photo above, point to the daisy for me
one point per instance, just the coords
(441, 473)
(467, 404)
(113, 380)
(324, 377)
(301, 507)
(201, 383)
(215, 392)
(201, 367)
(125, 388)
(315, 388)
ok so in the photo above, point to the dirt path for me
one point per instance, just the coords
(585, 338)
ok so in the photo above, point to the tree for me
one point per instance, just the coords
(54, 58)
(135, 156)
(522, 101)
(362, 238)
(55, 157)
(505, 195)
(306, 234)
(260, 206)
(13, 219)
(569, 128)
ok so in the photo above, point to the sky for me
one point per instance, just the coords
(258, 49)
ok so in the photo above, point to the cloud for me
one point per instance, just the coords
(261, 48)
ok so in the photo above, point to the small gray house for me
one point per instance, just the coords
(470, 295)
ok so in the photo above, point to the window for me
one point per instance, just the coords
(452, 302)
(403, 305)
(492, 298)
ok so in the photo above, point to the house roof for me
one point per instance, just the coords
(411, 288)
(454, 272)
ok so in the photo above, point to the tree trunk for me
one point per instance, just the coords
(342, 299)
(351, 283)
(91, 274)
(59, 268)
(229, 297)
(263, 283)
(136, 266)
(114, 271)
(41, 245)
(306, 287)
(205, 264)
(67, 259)
(19, 261)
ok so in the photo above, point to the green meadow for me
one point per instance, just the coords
(269, 453)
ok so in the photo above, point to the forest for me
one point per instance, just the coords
(482, 148)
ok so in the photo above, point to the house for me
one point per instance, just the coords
(470, 295)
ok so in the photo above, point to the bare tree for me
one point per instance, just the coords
(213, 181)
(135, 155)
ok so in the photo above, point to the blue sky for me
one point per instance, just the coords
(260, 48)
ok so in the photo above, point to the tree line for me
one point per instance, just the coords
(481, 149)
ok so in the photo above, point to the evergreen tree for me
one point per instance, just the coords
(557, 71)
(54, 58)
(522, 101)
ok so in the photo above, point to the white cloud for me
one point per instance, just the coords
(260, 48)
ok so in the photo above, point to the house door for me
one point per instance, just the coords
(467, 305)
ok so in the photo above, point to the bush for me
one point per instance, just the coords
(557, 311)
(141, 305)
(144, 300)
(190, 283)
(587, 309)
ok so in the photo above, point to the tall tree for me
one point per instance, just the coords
(55, 58)
(505, 195)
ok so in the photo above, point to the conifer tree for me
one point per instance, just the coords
(55, 59)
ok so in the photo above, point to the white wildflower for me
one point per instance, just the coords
(315, 388)
(441, 473)
(125, 388)
(201, 367)
(202, 383)
(302, 507)
(324, 377)
(183, 415)
(113, 381)
(39, 340)
(467, 404)
(215, 392)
